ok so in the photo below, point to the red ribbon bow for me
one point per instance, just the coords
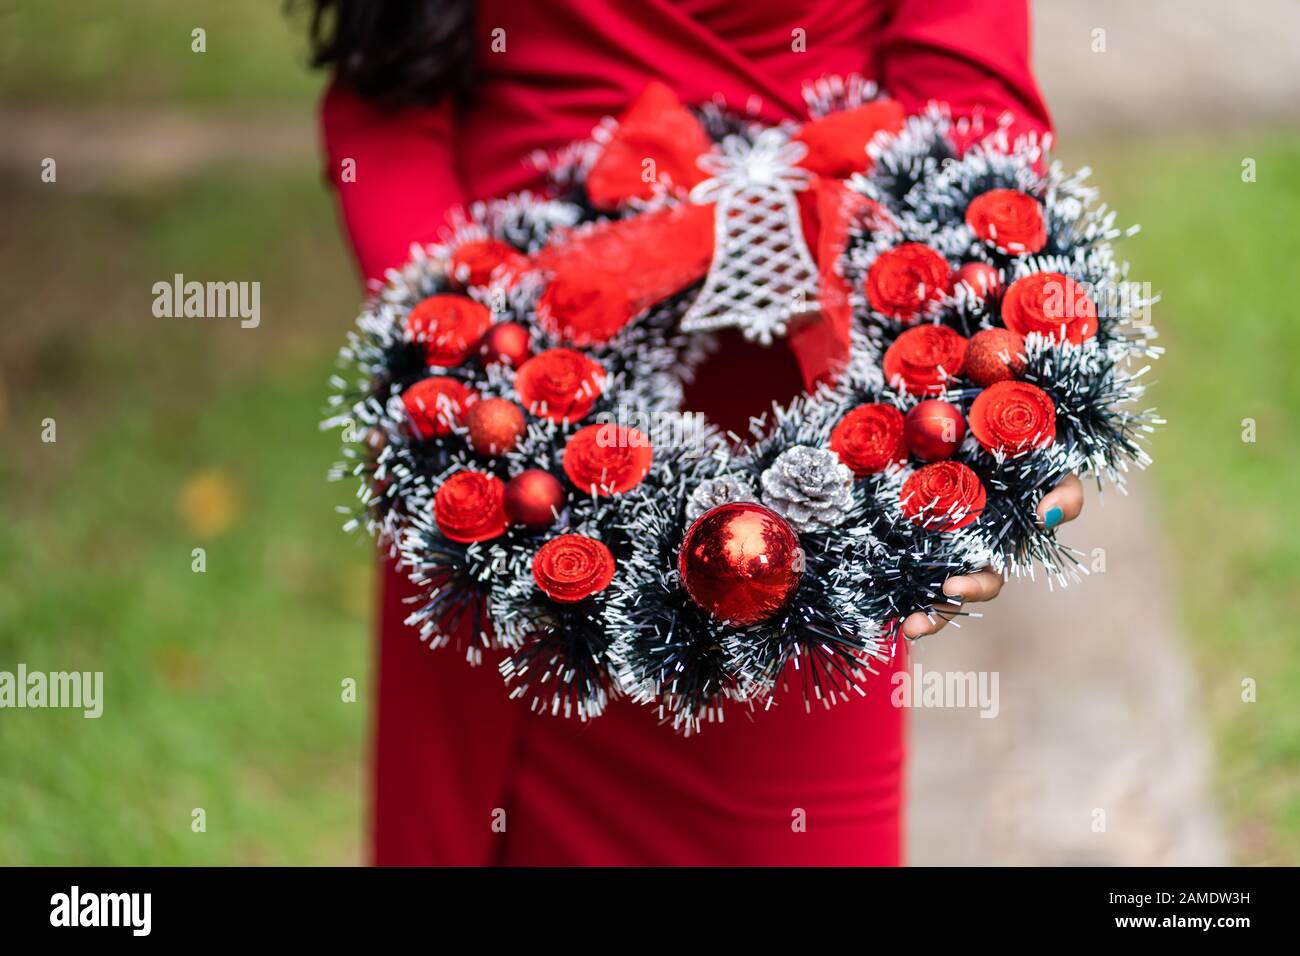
(656, 147)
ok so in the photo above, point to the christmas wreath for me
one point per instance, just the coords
(512, 405)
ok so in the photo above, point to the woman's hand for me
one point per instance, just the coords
(1063, 503)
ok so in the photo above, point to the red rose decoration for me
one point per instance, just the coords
(943, 496)
(572, 567)
(470, 507)
(435, 404)
(1047, 302)
(994, 355)
(1008, 219)
(1013, 417)
(449, 326)
(870, 438)
(906, 279)
(925, 359)
(585, 307)
(559, 384)
(473, 263)
(607, 459)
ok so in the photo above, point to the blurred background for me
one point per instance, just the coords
(223, 689)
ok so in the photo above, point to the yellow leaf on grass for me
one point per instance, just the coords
(208, 503)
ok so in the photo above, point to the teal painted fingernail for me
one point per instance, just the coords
(1052, 518)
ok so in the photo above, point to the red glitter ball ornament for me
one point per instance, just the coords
(933, 430)
(533, 498)
(994, 355)
(507, 343)
(980, 277)
(741, 563)
(495, 425)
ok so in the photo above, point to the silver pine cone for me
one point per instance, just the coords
(722, 490)
(809, 487)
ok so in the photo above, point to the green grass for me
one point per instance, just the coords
(1223, 253)
(222, 689)
(139, 52)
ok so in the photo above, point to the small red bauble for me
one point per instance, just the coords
(740, 562)
(994, 355)
(572, 567)
(980, 277)
(494, 426)
(934, 430)
(507, 343)
(534, 498)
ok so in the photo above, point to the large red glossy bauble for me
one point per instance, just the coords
(740, 562)
(533, 498)
(505, 342)
(933, 430)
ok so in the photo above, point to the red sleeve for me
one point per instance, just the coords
(972, 55)
(402, 179)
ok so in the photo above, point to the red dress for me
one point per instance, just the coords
(462, 774)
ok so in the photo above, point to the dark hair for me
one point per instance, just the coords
(398, 52)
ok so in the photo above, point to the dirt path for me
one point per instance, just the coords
(1167, 64)
(129, 147)
(1098, 712)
